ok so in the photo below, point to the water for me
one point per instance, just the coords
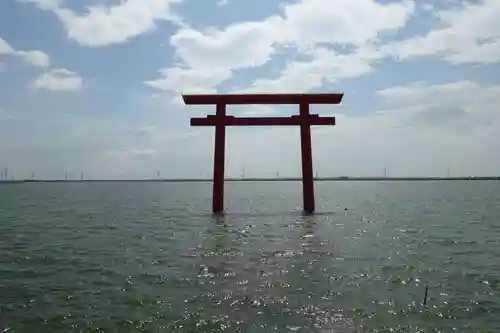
(149, 257)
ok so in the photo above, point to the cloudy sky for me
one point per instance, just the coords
(95, 85)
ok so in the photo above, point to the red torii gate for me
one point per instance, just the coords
(220, 120)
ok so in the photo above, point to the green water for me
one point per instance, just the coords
(149, 257)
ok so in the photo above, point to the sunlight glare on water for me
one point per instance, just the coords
(149, 257)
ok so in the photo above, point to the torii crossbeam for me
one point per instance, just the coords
(305, 120)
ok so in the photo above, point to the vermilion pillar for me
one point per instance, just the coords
(219, 159)
(306, 152)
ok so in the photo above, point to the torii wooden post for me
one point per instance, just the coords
(305, 120)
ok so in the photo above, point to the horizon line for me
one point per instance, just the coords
(256, 179)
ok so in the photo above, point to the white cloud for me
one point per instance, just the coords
(241, 45)
(428, 7)
(420, 130)
(459, 106)
(209, 58)
(413, 133)
(58, 80)
(469, 33)
(258, 110)
(307, 24)
(454, 93)
(459, 93)
(102, 25)
(324, 66)
(5, 48)
(188, 79)
(348, 22)
(303, 25)
(222, 3)
(35, 58)
(476, 42)
(51, 79)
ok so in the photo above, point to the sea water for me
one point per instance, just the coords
(150, 257)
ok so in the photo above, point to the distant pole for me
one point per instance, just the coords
(385, 172)
(33, 175)
(1, 175)
(66, 176)
(158, 174)
(81, 175)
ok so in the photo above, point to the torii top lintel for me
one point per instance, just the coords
(294, 98)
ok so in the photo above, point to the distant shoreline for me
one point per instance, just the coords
(205, 180)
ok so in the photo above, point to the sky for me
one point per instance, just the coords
(95, 86)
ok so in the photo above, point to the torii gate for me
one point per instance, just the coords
(220, 120)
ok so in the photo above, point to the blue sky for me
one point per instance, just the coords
(95, 85)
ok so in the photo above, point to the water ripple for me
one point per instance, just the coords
(150, 257)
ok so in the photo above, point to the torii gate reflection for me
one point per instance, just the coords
(305, 120)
